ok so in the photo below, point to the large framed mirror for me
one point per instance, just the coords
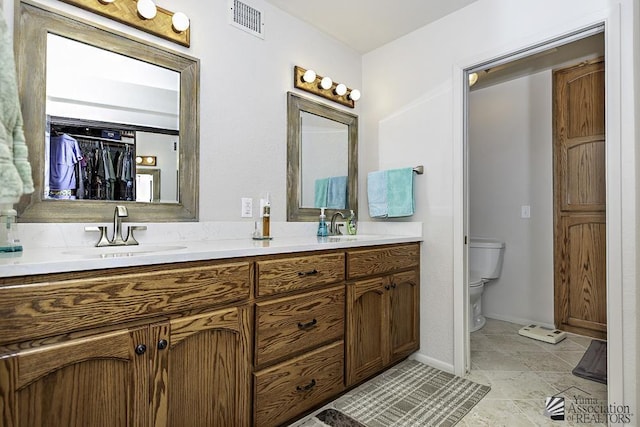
(132, 98)
(322, 159)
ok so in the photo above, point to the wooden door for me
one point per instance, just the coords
(580, 199)
(404, 314)
(94, 381)
(367, 328)
(201, 368)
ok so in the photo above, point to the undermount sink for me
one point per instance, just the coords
(121, 251)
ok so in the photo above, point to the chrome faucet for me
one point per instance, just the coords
(334, 229)
(117, 239)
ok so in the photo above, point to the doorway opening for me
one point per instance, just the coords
(508, 185)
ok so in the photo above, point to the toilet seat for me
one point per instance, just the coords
(475, 280)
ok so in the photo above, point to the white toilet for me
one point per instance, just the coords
(485, 263)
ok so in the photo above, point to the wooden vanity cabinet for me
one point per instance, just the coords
(382, 310)
(179, 369)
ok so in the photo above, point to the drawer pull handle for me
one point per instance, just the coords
(307, 325)
(307, 273)
(307, 387)
(162, 344)
(387, 287)
(393, 285)
(140, 349)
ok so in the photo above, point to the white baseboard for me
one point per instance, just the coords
(435, 363)
(517, 320)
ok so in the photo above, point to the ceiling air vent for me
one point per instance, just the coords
(247, 18)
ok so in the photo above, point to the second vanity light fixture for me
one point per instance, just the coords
(323, 86)
(144, 15)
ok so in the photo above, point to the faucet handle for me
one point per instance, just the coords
(103, 241)
(130, 240)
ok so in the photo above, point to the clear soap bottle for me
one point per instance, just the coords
(9, 240)
(322, 224)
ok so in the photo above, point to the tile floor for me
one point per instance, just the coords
(522, 373)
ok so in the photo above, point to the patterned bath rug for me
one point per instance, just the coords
(593, 365)
(412, 394)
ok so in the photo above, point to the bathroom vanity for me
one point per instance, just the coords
(225, 333)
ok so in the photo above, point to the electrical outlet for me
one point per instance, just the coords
(247, 207)
(525, 211)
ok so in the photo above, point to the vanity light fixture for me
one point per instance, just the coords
(324, 86)
(146, 160)
(147, 9)
(143, 15)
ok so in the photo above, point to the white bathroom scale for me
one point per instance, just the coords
(537, 332)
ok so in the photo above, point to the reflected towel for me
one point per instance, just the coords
(400, 200)
(377, 194)
(337, 192)
(321, 186)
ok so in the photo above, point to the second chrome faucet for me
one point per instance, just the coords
(118, 239)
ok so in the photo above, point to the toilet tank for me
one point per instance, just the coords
(485, 257)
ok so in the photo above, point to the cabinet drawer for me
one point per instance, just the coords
(290, 325)
(74, 301)
(368, 262)
(296, 273)
(288, 389)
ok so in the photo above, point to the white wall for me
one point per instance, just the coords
(413, 114)
(243, 85)
(510, 165)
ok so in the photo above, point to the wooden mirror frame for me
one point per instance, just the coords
(296, 104)
(33, 23)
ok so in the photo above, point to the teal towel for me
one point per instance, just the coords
(377, 194)
(337, 192)
(400, 192)
(321, 186)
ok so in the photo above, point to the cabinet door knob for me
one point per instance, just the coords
(308, 273)
(141, 349)
(307, 387)
(393, 285)
(387, 287)
(308, 324)
(162, 344)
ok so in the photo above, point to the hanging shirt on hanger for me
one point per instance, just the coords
(64, 155)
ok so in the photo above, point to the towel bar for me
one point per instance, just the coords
(419, 170)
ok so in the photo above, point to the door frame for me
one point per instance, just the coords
(617, 20)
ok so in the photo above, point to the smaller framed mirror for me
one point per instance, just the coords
(322, 159)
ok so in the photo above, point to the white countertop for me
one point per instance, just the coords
(44, 260)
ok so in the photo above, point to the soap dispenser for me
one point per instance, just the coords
(352, 224)
(322, 224)
(9, 240)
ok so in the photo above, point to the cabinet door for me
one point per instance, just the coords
(201, 367)
(94, 381)
(404, 314)
(367, 328)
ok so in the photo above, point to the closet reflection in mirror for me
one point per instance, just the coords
(94, 136)
(324, 152)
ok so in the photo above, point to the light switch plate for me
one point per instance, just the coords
(525, 211)
(247, 207)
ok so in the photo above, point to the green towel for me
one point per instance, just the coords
(400, 192)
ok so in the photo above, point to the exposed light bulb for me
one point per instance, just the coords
(147, 9)
(354, 94)
(341, 89)
(180, 22)
(326, 83)
(309, 76)
(106, 1)
(473, 78)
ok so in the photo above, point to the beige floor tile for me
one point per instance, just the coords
(517, 385)
(496, 413)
